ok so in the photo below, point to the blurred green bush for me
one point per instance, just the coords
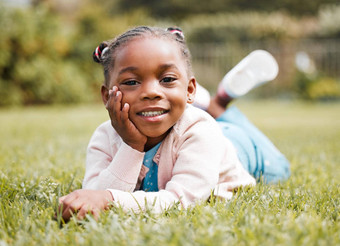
(316, 87)
(46, 48)
(46, 57)
(34, 67)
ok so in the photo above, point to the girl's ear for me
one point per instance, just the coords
(191, 90)
(105, 94)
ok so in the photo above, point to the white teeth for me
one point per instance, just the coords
(152, 113)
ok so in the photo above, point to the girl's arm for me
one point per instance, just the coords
(110, 162)
(196, 157)
(201, 152)
(115, 162)
(194, 175)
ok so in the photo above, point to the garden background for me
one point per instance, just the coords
(50, 106)
(46, 46)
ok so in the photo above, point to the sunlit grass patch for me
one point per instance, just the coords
(42, 157)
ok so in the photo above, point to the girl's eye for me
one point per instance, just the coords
(168, 79)
(130, 82)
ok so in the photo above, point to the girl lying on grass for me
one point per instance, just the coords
(157, 149)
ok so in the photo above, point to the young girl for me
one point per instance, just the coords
(157, 149)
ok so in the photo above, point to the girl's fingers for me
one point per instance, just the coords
(96, 213)
(114, 89)
(82, 212)
(67, 204)
(126, 120)
(72, 208)
(107, 105)
(68, 199)
(113, 104)
(82, 202)
(120, 120)
(61, 199)
(117, 104)
(64, 205)
(67, 213)
(109, 102)
(86, 210)
(125, 114)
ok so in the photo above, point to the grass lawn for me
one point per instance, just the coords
(42, 157)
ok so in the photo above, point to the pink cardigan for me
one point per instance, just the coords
(194, 160)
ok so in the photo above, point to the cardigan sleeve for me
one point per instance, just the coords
(197, 157)
(111, 163)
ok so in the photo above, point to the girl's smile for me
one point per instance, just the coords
(153, 113)
(153, 79)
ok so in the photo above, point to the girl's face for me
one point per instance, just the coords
(153, 78)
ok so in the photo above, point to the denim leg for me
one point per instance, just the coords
(256, 152)
(244, 146)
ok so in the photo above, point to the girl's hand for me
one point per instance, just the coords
(82, 202)
(121, 122)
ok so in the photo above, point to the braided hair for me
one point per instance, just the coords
(106, 51)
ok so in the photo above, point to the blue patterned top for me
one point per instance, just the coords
(150, 182)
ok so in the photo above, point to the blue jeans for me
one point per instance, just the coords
(256, 152)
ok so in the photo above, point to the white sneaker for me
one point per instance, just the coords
(255, 69)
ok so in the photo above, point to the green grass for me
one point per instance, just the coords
(42, 157)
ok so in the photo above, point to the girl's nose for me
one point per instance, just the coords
(151, 90)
